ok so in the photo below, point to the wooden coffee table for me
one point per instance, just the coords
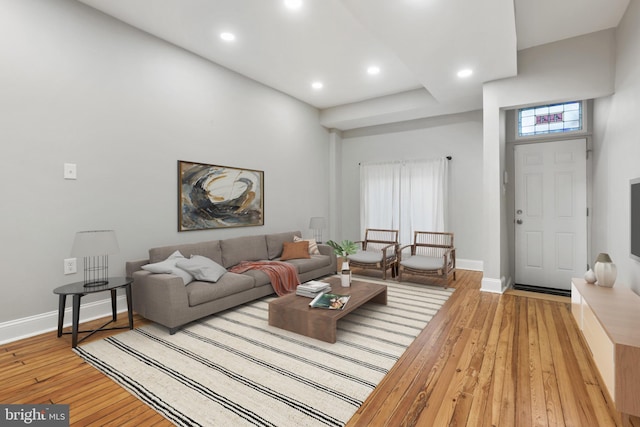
(292, 312)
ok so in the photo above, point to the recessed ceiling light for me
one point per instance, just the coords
(373, 70)
(317, 85)
(465, 73)
(228, 37)
(293, 4)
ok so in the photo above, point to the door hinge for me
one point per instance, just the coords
(587, 211)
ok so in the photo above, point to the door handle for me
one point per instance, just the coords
(518, 221)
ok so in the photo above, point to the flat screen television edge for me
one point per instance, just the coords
(634, 218)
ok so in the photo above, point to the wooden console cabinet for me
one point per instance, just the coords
(609, 319)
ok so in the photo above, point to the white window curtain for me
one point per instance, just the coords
(407, 196)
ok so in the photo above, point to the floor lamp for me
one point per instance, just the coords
(317, 224)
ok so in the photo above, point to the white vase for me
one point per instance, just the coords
(345, 275)
(606, 271)
(345, 278)
(590, 277)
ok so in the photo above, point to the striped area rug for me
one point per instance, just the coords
(233, 369)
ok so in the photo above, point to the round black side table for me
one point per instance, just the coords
(78, 290)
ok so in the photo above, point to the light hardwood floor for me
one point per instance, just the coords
(485, 359)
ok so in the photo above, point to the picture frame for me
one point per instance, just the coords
(213, 196)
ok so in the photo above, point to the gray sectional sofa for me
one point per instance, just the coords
(164, 298)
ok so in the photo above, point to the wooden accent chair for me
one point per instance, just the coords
(379, 251)
(432, 254)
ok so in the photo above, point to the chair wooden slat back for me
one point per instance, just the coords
(375, 239)
(432, 243)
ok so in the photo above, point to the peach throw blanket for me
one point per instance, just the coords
(284, 276)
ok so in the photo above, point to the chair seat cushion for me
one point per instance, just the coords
(366, 257)
(421, 262)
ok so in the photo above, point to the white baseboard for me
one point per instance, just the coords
(496, 286)
(46, 322)
(469, 264)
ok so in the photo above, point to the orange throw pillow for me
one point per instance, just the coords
(313, 245)
(295, 250)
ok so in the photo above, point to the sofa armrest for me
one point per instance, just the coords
(133, 266)
(325, 249)
(328, 250)
(159, 297)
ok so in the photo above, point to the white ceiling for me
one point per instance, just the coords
(419, 45)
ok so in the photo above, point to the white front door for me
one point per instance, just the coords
(550, 213)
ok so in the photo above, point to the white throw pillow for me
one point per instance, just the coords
(168, 266)
(202, 268)
(313, 245)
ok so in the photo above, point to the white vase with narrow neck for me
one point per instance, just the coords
(606, 271)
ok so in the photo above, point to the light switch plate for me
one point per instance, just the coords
(70, 171)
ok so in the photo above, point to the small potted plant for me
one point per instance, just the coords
(343, 249)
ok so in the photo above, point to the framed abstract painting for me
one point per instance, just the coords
(211, 196)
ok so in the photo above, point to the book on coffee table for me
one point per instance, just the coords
(314, 286)
(312, 289)
(330, 301)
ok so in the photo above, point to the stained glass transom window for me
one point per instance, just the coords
(555, 118)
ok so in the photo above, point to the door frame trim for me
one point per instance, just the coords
(509, 194)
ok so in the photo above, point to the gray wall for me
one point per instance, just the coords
(459, 136)
(617, 152)
(576, 68)
(80, 87)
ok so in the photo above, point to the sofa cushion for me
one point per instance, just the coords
(313, 245)
(295, 250)
(276, 240)
(229, 284)
(202, 268)
(249, 248)
(313, 263)
(168, 266)
(260, 277)
(210, 249)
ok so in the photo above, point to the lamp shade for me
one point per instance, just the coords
(317, 223)
(95, 242)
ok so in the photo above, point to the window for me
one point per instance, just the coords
(554, 118)
(405, 196)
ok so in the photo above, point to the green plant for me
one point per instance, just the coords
(344, 248)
